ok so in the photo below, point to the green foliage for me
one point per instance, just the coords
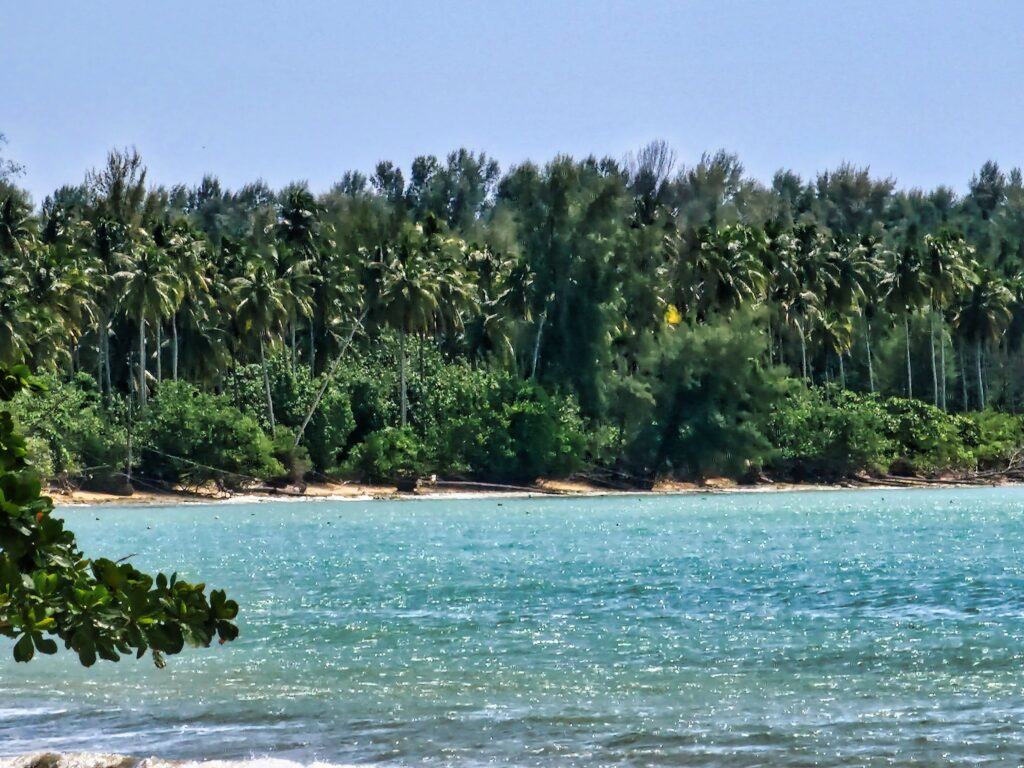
(294, 458)
(293, 391)
(541, 435)
(1000, 438)
(929, 441)
(82, 443)
(829, 434)
(98, 608)
(707, 390)
(386, 456)
(557, 316)
(193, 437)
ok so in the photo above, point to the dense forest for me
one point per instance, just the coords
(629, 319)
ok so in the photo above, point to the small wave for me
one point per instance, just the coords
(15, 713)
(99, 760)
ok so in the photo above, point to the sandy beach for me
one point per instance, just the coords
(459, 490)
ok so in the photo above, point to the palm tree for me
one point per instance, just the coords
(905, 288)
(836, 332)
(801, 310)
(17, 230)
(261, 308)
(947, 271)
(983, 317)
(410, 296)
(728, 268)
(188, 252)
(150, 290)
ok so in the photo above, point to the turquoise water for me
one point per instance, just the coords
(839, 628)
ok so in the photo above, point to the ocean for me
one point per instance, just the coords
(749, 629)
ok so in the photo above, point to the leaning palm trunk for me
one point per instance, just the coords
(402, 381)
(910, 375)
(536, 343)
(942, 361)
(981, 382)
(174, 347)
(803, 349)
(329, 375)
(266, 387)
(867, 346)
(99, 365)
(935, 367)
(963, 376)
(105, 337)
(312, 349)
(842, 372)
(159, 355)
(295, 352)
(142, 362)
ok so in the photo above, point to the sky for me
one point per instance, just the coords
(924, 91)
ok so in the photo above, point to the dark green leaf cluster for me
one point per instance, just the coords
(99, 608)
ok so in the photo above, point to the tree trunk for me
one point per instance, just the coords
(942, 362)
(328, 375)
(174, 347)
(963, 376)
(935, 367)
(266, 387)
(294, 349)
(312, 349)
(419, 355)
(867, 345)
(142, 363)
(842, 372)
(159, 355)
(981, 383)
(99, 364)
(402, 382)
(910, 375)
(803, 350)
(771, 342)
(105, 333)
(536, 343)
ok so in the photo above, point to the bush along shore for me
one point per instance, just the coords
(623, 322)
(477, 429)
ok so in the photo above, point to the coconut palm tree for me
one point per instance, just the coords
(17, 229)
(188, 251)
(410, 295)
(150, 291)
(728, 268)
(983, 317)
(905, 288)
(948, 270)
(261, 308)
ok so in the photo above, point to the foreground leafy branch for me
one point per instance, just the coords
(99, 608)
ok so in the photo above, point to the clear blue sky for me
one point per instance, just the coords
(925, 91)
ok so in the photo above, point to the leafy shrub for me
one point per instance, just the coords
(386, 456)
(927, 439)
(539, 435)
(294, 458)
(194, 437)
(327, 435)
(709, 394)
(1000, 438)
(825, 434)
(82, 443)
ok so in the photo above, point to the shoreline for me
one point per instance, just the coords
(546, 488)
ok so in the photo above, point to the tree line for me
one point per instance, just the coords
(652, 301)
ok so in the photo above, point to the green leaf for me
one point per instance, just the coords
(23, 649)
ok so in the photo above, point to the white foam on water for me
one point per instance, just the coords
(101, 760)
